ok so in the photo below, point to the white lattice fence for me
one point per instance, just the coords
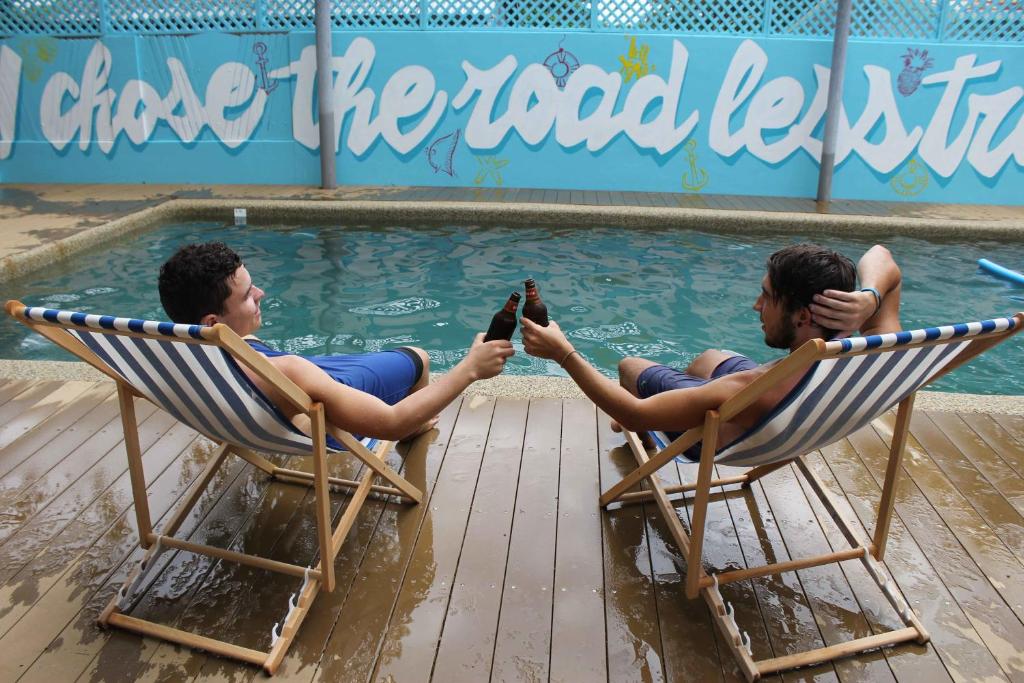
(683, 16)
(59, 17)
(952, 20)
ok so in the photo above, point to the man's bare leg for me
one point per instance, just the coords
(704, 364)
(630, 369)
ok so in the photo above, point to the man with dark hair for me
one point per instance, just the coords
(387, 395)
(808, 292)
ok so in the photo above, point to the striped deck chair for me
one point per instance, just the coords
(846, 384)
(194, 373)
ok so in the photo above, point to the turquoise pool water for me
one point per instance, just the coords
(661, 294)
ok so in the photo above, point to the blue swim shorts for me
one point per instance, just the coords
(388, 375)
(661, 378)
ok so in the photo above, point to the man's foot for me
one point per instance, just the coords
(423, 429)
(645, 437)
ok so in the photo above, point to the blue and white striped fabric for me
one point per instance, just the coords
(199, 384)
(841, 394)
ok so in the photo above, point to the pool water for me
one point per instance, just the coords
(657, 293)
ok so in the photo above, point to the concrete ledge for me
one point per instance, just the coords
(511, 213)
(527, 386)
(22, 263)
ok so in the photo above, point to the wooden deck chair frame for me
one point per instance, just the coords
(870, 552)
(330, 540)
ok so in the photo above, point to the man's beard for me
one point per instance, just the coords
(782, 339)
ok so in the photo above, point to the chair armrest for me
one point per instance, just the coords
(263, 368)
(799, 360)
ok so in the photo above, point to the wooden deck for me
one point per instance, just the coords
(508, 571)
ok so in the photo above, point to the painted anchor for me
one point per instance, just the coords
(912, 180)
(698, 176)
(260, 49)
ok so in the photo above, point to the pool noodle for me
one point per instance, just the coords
(1000, 271)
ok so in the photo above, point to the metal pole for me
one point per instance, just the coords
(835, 101)
(324, 84)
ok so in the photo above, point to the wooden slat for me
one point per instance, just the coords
(468, 639)
(187, 577)
(1008, 431)
(391, 565)
(19, 425)
(721, 550)
(959, 646)
(30, 395)
(691, 646)
(830, 597)
(83, 586)
(9, 388)
(523, 641)
(72, 450)
(32, 520)
(370, 542)
(965, 580)
(908, 662)
(42, 569)
(408, 653)
(631, 611)
(41, 449)
(1001, 566)
(984, 442)
(577, 623)
(1004, 519)
(778, 602)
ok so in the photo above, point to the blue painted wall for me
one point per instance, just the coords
(948, 127)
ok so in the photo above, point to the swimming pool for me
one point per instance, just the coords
(658, 293)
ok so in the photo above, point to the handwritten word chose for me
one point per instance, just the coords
(138, 108)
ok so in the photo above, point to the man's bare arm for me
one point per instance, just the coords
(365, 414)
(676, 410)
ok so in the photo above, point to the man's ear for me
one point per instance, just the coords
(804, 318)
(209, 319)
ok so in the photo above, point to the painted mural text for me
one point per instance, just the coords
(770, 120)
(138, 108)
(778, 106)
(10, 79)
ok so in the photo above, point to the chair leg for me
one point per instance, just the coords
(896, 449)
(377, 464)
(135, 468)
(694, 566)
(322, 492)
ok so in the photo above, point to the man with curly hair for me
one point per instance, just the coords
(387, 395)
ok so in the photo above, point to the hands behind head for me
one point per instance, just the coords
(544, 342)
(488, 359)
(843, 311)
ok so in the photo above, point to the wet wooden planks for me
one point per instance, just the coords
(508, 571)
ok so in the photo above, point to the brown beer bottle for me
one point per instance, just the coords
(503, 324)
(534, 309)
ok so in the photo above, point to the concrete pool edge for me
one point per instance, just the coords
(23, 263)
(522, 214)
(525, 386)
